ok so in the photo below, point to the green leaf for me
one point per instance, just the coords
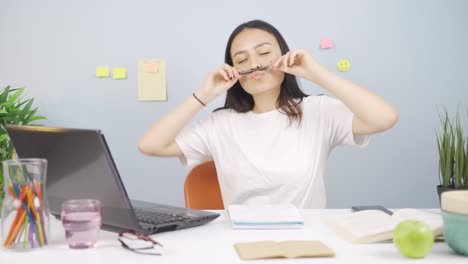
(3, 137)
(459, 146)
(446, 147)
(14, 110)
(12, 99)
(36, 118)
(25, 111)
(3, 152)
(22, 103)
(30, 115)
(4, 94)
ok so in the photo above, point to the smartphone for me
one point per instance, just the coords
(371, 207)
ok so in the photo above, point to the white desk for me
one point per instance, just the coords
(213, 243)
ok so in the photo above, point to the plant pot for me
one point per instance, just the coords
(441, 189)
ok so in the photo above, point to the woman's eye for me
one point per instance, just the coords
(242, 61)
(265, 53)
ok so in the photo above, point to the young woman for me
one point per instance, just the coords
(270, 142)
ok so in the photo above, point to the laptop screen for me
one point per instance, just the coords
(80, 166)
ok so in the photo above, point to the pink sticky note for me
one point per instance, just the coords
(151, 66)
(326, 43)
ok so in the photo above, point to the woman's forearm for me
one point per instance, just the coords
(159, 140)
(375, 114)
(163, 133)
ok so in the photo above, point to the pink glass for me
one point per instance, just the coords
(82, 221)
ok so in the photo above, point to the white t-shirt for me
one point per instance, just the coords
(263, 159)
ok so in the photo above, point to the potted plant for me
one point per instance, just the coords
(14, 109)
(453, 154)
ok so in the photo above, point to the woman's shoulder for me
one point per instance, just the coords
(223, 115)
(319, 104)
(319, 100)
(223, 112)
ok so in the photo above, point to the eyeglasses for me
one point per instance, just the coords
(140, 243)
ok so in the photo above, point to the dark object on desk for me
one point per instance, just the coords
(80, 166)
(371, 207)
(132, 241)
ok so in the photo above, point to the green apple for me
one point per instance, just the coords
(414, 239)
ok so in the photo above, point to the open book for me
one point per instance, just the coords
(265, 216)
(285, 249)
(372, 225)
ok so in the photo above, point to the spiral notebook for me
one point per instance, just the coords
(281, 216)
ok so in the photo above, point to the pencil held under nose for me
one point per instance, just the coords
(270, 67)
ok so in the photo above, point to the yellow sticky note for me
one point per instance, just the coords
(151, 80)
(119, 73)
(102, 71)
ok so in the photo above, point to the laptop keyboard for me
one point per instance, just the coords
(151, 217)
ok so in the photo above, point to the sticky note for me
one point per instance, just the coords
(152, 80)
(151, 66)
(119, 73)
(326, 43)
(102, 71)
(343, 65)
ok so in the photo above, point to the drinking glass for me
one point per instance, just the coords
(82, 222)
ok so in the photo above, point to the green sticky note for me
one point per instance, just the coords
(102, 71)
(119, 73)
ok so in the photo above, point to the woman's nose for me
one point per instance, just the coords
(254, 63)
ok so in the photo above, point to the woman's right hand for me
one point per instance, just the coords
(217, 82)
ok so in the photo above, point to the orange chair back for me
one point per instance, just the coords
(201, 188)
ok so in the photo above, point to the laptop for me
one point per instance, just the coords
(80, 166)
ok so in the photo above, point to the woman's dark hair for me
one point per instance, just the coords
(240, 101)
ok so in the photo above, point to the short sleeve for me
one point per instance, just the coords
(194, 143)
(338, 121)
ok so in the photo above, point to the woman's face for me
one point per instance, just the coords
(253, 48)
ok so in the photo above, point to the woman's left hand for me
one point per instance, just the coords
(299, 63)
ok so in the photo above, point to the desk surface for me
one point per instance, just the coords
(213, 243)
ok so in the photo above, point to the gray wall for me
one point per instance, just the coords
(413, 53)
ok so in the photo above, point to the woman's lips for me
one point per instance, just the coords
(256, 75)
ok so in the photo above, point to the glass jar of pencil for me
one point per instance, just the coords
(25, 213)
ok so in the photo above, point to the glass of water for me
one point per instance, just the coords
(82, 221)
